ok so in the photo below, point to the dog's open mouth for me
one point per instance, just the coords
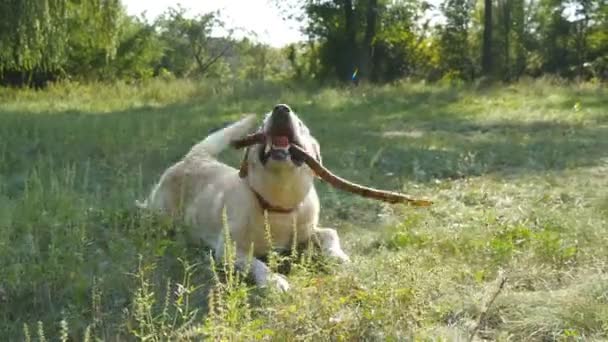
(280, 134)
(279, 148)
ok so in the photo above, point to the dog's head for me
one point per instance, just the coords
(271, 169)
(283, 128)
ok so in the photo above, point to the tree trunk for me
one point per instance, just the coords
(367, 64)
(507, 32)
(351, 48)
(519, 23)
(486, 58)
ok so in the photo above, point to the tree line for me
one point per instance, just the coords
(373, 40)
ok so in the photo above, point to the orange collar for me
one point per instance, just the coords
(269, 207)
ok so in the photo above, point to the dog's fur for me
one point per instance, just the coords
(199, 187)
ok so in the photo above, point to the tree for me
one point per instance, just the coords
(597, 41)
(39, 39)
(139, 51)
(350, 47)
(380, 38)
(486, 59)
(558, 48)
(454, 39)
(400, 43)
(370, 35)
(519, 31)
(189, 46)
(333, 25)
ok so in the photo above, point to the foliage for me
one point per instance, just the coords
(456, 60)
(189, 47)
(399, 46)
(382, 40)
(55, 36)
(96, 40)
(137, 54)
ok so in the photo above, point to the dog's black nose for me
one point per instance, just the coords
(280, 115)
(281, 109)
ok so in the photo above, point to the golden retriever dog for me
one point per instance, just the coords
(199, 188)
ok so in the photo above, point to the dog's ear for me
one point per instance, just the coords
(244, 169)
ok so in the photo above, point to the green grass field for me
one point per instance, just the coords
(517, 174)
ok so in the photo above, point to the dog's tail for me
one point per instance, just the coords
(219, 140)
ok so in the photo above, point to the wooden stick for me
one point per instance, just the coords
(251, 139)
(332, 179)
(482, 315)
(343, 184)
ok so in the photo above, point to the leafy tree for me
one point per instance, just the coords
(257, 61)
(371, 27)
(189, 46)
(139, 51)
(455, 51)
(333, 24)
(510, 34)
(384, 40)
(399, 45)
(380, 38)
(597, 41)
(487, 58)
(42, 40)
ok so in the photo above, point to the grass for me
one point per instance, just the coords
(518, 175)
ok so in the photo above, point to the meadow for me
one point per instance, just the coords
(515, 247)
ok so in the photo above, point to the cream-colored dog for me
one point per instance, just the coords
(199, 187)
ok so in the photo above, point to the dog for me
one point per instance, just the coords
(199, 189)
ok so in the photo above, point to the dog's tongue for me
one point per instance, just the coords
(280, 141)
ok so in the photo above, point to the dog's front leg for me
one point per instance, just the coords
(262, 274)
(330, 244)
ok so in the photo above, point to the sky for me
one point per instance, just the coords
(259, 16)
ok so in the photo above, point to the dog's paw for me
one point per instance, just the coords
(339, 256)
(278, 282)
